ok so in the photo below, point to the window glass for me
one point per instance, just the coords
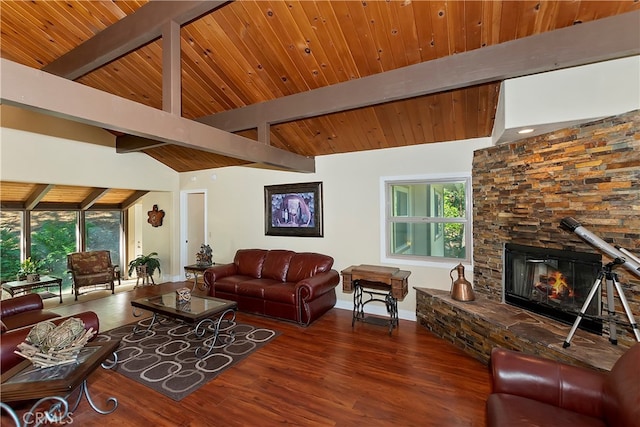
(103, 231)
(428, 219)
(10, 237)
(53, 236)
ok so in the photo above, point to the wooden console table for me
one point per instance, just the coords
(376, 281)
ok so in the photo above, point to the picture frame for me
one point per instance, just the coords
(293, 210)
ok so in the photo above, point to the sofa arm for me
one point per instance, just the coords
(11, 339)
(314, 286)
(217, 272)
(20, 304)
(548, 381)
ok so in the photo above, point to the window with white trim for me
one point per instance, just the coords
(428, 219)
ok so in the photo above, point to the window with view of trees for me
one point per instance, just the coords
(10, 243)
(428, 220)
(53, 235)
(103, 231)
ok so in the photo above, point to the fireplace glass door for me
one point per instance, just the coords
(554, 283)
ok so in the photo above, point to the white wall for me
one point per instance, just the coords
(351, 187)
(589, 92)
(568, 97)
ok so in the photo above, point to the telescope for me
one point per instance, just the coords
(620, 255)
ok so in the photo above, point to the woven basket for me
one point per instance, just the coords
(51, 345)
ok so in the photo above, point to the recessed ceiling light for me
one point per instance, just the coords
(529, 130)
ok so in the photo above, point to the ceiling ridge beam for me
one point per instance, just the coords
(595, 41)
(131, 32)
(37, 90)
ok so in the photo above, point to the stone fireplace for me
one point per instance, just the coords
(521, 193)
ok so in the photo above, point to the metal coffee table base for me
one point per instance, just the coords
(228, 316)
(59, 411)
(208, 324)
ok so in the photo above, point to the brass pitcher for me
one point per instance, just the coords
(461, 289)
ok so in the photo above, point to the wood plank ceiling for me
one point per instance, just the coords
(248, 52)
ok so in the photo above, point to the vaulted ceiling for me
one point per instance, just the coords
(298, 78)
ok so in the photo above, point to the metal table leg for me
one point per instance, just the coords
(201, 329)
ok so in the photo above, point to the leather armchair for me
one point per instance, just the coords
(19, 314)
(22, 311)
(532, 391)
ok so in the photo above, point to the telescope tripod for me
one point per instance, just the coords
(611, 280)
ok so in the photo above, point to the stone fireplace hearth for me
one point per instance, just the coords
(480, 325)
(521, 192)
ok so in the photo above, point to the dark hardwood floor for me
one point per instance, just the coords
(328, 374)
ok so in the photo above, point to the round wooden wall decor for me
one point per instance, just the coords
(155, 216)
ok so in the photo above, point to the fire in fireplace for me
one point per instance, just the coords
(553, 283)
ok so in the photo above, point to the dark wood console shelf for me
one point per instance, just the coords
(478, 326)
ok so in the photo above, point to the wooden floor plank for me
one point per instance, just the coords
(327, 374)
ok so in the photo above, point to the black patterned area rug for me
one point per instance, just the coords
(164, 356)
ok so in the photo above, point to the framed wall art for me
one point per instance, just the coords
(293, 209)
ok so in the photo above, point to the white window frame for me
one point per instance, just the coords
(385, 230)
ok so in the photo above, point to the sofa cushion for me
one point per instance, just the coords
(90, 262)
(276, 265)
(510, 410)
(307, 264)
(283, 292)
(229, 284)
(255, 288)
(93, 279)
(249, 262)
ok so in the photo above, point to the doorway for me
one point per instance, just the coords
(194, 225)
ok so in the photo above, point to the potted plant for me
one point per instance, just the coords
(29, 270)
(145, 265)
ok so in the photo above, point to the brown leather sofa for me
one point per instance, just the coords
(532, 391)
(287, 285)
(19, 314)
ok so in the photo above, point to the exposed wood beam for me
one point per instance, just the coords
(11, 206)
(126, 35)
(171, 66)
(595, 41)
(33, 89)
(36, 195)
(264, 133)
(92, 198)
(132, 199)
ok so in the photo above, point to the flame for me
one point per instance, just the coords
(561, 288)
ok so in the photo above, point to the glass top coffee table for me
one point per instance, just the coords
(205, 313)
(56, 384)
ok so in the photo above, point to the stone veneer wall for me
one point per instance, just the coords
(522, 190)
